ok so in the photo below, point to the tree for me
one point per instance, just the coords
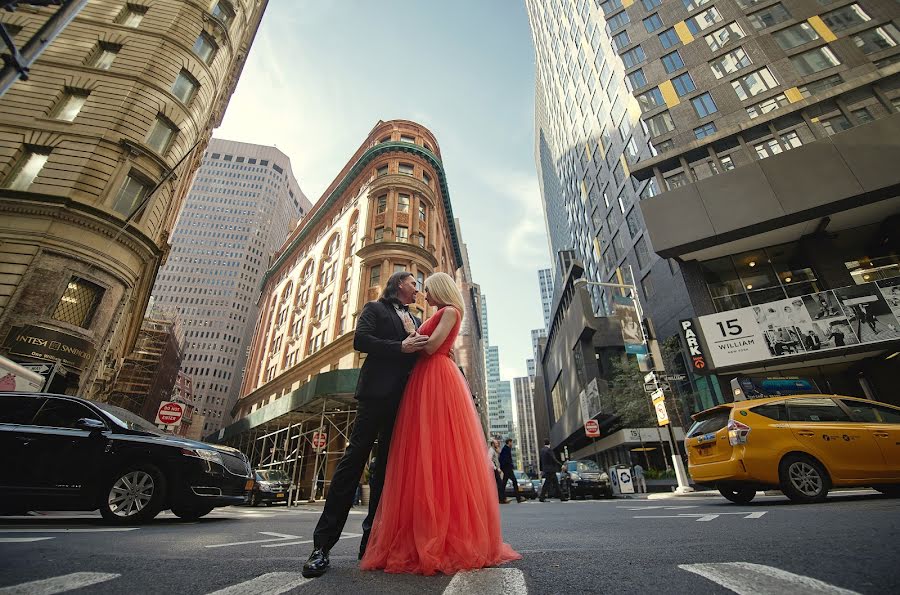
(629, 400)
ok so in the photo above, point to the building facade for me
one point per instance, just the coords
(528, 442)
(97, 152)
(243, 204)
(545, 278)
(781, 170)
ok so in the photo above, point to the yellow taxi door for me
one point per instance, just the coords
(883, 423)
(826, 431)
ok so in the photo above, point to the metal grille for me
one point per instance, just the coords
(78, 303)
(236, 465)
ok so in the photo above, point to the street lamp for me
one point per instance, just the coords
(680, 474)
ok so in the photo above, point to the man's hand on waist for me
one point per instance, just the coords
(413, 343)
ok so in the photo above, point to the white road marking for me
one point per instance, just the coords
(271, 583)
(22, 539)
(499, 581)
(276, 537)
(52, 530)
(745, 578)
(657, 507)
(343, 536)
(703, 516)
(59, 584)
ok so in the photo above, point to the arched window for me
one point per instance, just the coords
(307, 271)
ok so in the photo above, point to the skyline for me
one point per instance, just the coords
(475, 91)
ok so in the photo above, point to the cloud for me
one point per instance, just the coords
(526, 240)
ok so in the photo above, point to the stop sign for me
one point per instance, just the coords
(169, 413)
(319, 439)
(592, 428)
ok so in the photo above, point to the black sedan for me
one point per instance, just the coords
(272, 486)
(66, 453)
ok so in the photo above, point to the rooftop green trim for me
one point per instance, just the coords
(326, 384)
(351, 176)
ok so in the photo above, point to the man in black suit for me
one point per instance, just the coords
(549, 466)
(386, 331)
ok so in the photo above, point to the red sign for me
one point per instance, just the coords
(319, 440)
(169, 413)
(592, 428)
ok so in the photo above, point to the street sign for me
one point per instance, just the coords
(650, 378)
(676, 377)
(319, 440)
(592, 428)
(650, 387)
(659, 402)
(170, 413)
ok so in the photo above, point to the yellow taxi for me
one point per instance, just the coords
(801, 444)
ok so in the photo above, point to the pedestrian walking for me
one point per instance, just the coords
(508, 471)
(640, 484)
(494, 448)
(549, 466)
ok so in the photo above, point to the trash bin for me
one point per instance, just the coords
(620, 478)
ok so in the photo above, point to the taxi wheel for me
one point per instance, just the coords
(738, 495)
(134, 494)
(803, 479)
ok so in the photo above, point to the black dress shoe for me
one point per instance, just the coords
(317, 564)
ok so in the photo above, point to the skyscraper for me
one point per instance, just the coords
(100, 146)
(545, 277)
(244, 202)
(528, 443)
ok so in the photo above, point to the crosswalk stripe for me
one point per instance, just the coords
(59, 584)
(22, 539)
(499, 581)
(745, 578)
(271, 583)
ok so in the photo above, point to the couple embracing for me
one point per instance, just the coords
(438, 508)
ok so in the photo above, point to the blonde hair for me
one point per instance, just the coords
(443, 290)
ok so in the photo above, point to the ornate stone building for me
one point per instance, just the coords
(97, 151)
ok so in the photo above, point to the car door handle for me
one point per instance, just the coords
(805, 433)
(881, 434)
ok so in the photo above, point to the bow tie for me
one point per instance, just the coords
(402, 307)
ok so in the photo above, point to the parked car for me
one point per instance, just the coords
(801, 444)
(67, 453)
(271, 486)
(586, 478)
(526, 487)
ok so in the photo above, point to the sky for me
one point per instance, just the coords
(322, 73)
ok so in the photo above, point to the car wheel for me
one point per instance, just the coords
(254, 499)
(891, 490)
(803, 479)
(135, 494)
(738, 495)
(191, 513)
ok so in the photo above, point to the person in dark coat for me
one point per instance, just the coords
(508, 471)
(549, 466)
(386, 331)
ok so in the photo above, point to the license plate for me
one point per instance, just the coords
(279, 495)
(248, 485)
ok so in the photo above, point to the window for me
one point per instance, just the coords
(382, 171)
(672, 62)
(205, 48)
(636, 79)
(633, 57)
(104, 55)
(652, 23)
(407, 139)
(161, 134)
(223, 11)
(650, 100)
(642, 252)
(28, 168)
(634, 221)
(821, 85)
(768, 148)
(651, 4)
(813, 410)
(131, 195)
(610, 6)
(766, 106)
(683, 84)
(703, 20)
(754, 84)
(131, 15)
(704, 105)
(669, 38)
(676, 180)
(381, 204)
(427, 179)
(62, 413)
(862, 115)
(769, 16)
(693, 4)
(78, 302)
(406, 169)
(835, 124)
(791, 140)
(845, 17)
(421, 240)
(797, 35)
(722, 37)
(871, 412)
(705, 130)
(776, 411)
(729, 63)
(620, 40)
(19, 410)
(815, 60)
(660, 124)
(402, 234)
(421, 212)
(375, 275)
(403, 203)
(875, 40)
(185, 87)
(379, 234)
(617, 21)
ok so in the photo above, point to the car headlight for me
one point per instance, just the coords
(265, 485)
(575, 476)
(205, 454)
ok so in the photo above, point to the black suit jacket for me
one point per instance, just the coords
(549, 462)
(379, 333)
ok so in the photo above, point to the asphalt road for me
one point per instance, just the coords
(851, 543)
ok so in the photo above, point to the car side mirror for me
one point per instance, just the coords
(92, 425)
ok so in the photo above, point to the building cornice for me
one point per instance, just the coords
(378, 150)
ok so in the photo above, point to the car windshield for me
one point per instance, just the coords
(272, 475)
(520, 475)
(127, 419)
(585, 466)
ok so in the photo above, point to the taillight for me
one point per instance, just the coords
(737, 432)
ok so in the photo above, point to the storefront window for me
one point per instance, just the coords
(866, 270)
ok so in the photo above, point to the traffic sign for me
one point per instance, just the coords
(592, 428)
(650, 387)
(676, 377)
(170, 413)
(319, 440)
(659, 402)
(649, 377)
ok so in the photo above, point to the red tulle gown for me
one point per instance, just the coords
(439, 510)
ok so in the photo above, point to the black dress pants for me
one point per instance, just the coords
(374, 420)
(551, 481)
(508, 475)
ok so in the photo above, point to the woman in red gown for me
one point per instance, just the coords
(439, 510)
